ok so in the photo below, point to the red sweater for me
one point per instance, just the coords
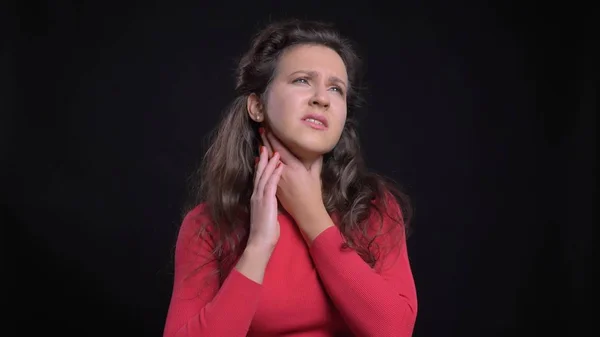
(315, 291)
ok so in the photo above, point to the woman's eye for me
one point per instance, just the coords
(338, 89)
(305, 81)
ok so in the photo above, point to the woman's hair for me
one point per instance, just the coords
(224, 181)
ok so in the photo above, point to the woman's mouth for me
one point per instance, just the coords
(318, 122)
(315, 124)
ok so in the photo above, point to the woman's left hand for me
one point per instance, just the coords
(299, 189)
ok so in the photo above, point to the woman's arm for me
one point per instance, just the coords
(373, 303)
(198, 306)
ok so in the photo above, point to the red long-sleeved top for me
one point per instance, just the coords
(315, 291)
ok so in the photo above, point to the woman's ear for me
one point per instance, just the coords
(255, 108)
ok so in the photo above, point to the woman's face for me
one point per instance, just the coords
(305, 105)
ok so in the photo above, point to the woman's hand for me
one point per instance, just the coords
(299, 190)
(264, 228)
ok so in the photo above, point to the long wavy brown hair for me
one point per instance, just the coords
(224, 180)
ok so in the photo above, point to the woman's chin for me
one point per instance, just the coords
(309, 151)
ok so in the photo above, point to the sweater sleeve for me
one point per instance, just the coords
(375, 302)
(198, 307)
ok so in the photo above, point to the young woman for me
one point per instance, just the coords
(292, 236)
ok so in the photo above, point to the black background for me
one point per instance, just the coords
(485, 113)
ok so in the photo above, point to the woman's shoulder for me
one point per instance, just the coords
(387, 204)
(199, 210)
(386, 224)
(197, 223)
(385, 215)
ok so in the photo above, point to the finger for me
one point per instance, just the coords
(260, 166)
(286, 156)
(266, 143)
(267, 174)
(271, 187)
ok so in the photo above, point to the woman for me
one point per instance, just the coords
(292, 235)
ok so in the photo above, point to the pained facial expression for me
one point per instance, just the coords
(306, 101)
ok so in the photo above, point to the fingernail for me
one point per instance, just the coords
(261, 130)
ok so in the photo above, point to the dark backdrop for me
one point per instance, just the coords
(484, 113)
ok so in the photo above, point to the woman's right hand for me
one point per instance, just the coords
(264, 228)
